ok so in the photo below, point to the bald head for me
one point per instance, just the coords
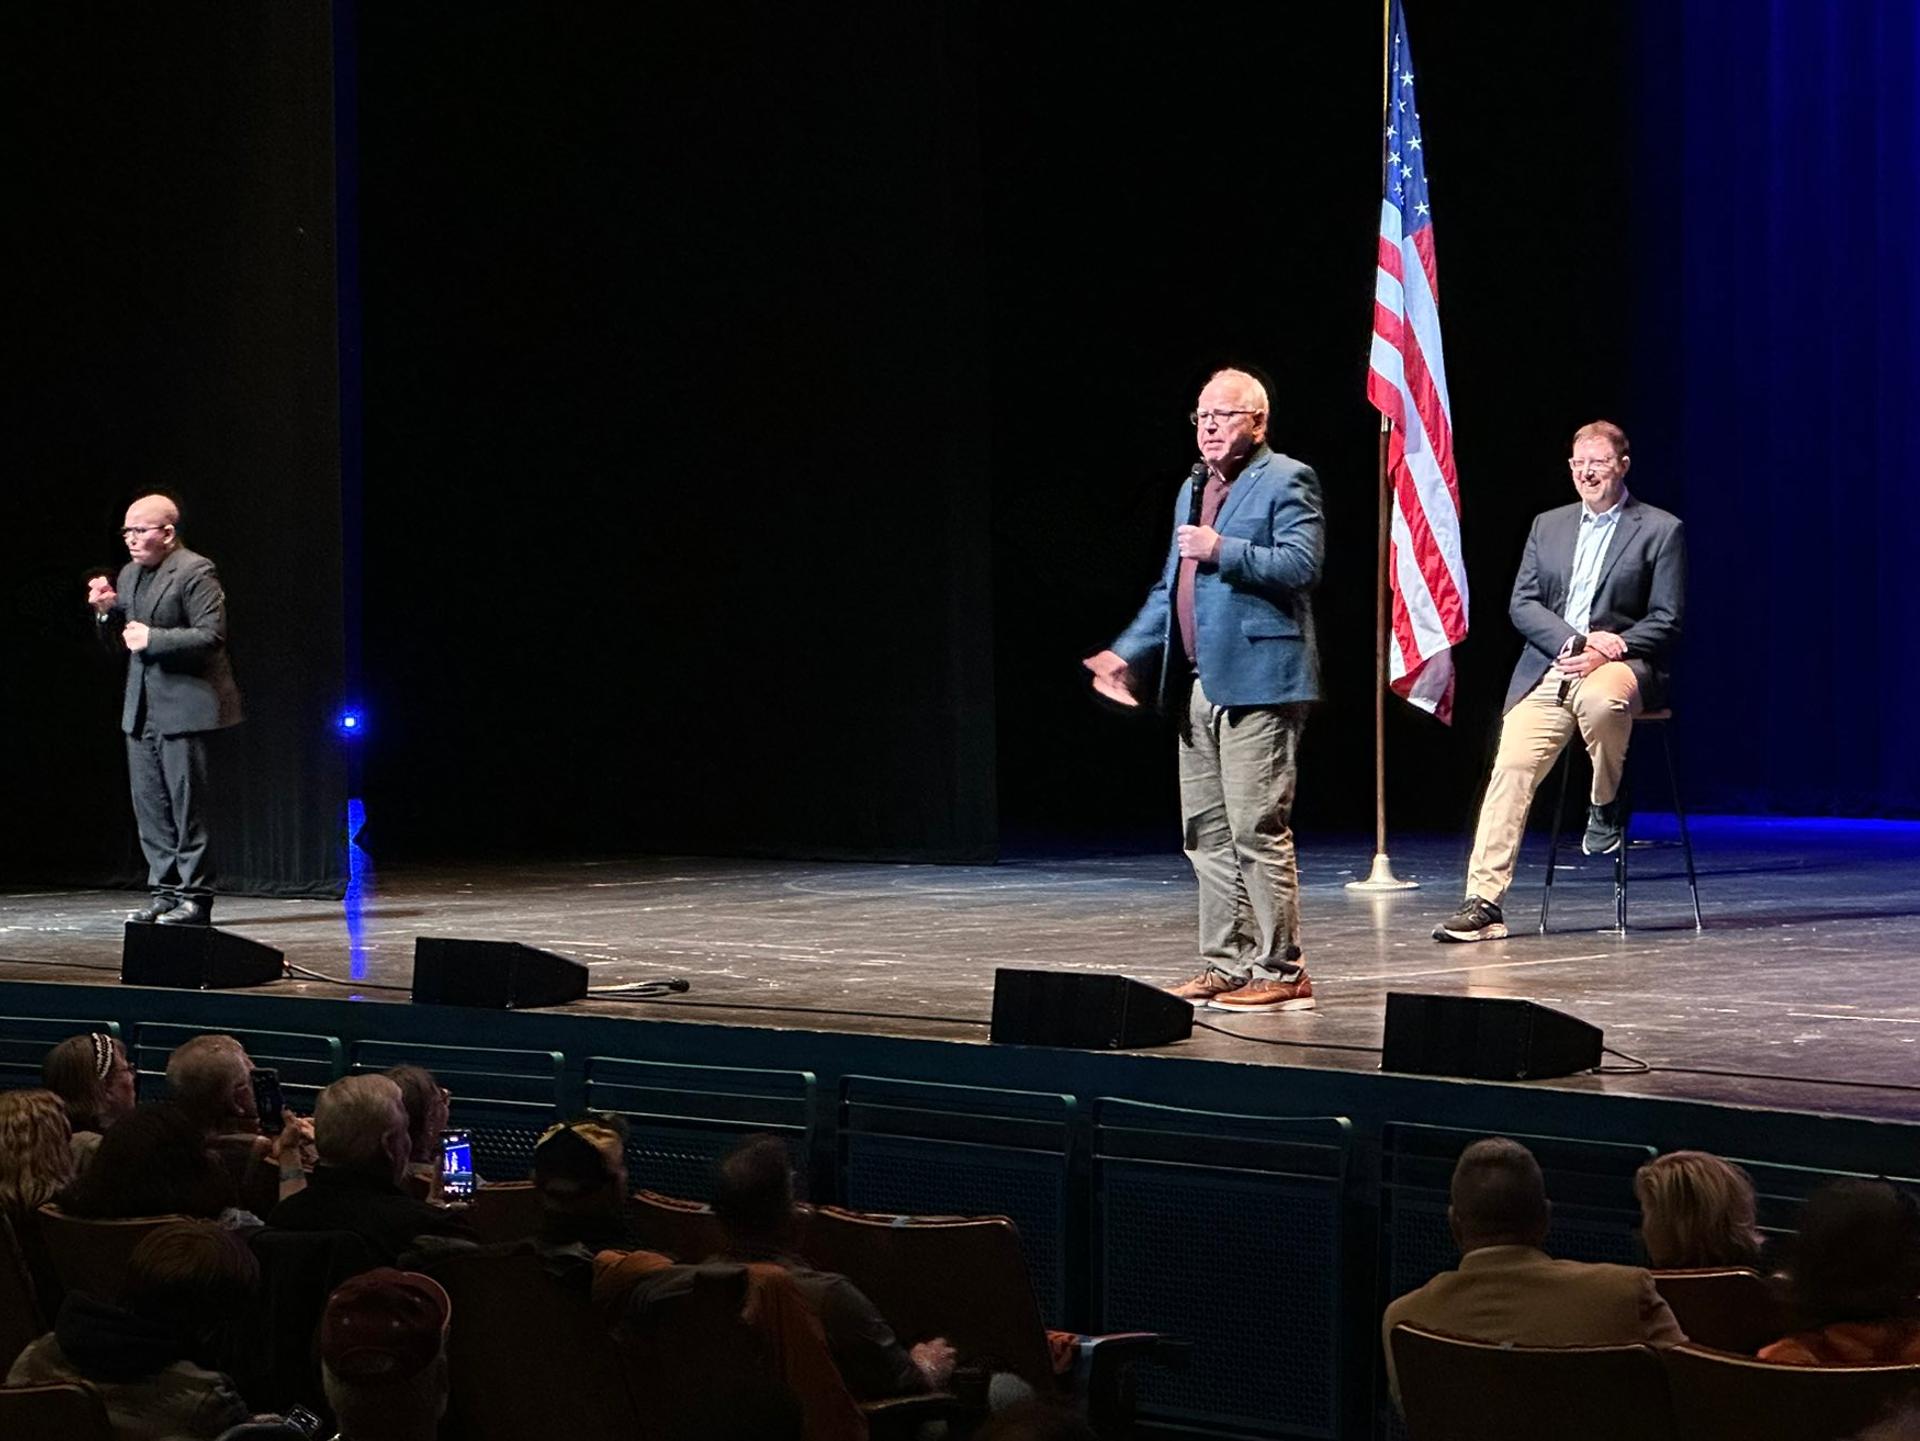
(151, 529)
(1499, 1197)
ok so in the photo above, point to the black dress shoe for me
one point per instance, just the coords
(190, 912)
(154, 909)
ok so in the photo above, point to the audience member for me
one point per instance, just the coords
(150, 1354)
(36, 1163)
(92, 1075)
(211, 1079)
(753, 1199)
(1508, 1289)
(154, 1163)
(1696, 1210)
(427, 1103)
(1854, 1279)
(383, 1356)
(580, 1171)
(360, 1130)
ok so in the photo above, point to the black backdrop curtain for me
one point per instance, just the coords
(172, 204)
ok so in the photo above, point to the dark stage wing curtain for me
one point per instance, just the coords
(1776, 206)
(177, 328)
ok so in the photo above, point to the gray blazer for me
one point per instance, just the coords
(1640, 596)
(184, 672)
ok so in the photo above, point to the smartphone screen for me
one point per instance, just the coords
(268, 1103)
(456, 1164)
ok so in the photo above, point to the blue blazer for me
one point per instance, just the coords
(1253, 608)
(1641, 595)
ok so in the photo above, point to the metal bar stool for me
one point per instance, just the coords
(1663, 721)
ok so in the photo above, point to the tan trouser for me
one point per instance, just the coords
(1601, 705)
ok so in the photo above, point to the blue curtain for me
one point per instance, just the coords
(1774, 227)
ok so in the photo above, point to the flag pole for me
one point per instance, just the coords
(1381, 877)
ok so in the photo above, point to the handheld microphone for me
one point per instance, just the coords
(1579, 644)
(1198, 475)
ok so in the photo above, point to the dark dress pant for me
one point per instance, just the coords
(168, 775)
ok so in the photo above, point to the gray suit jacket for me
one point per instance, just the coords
(184, 673)
(1640, 596)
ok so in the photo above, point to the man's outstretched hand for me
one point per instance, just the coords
(1112, 677)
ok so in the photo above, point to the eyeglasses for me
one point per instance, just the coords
(1203, 417)
(1576, 466)
(127, 530)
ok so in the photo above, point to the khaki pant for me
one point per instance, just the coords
(1238, 766)
(1601, 705)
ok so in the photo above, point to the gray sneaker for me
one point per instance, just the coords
(1476, 920)
(1606, 829)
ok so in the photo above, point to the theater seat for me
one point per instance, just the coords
(1457, 1390)
(1722, 1397)
(1725, 1308)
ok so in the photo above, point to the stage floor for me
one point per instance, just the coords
(1802, 993)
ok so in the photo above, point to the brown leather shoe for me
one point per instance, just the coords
(1204, 987)
(1268, 993)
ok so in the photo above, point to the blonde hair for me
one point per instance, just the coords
(1696, 1210)
(36, 1161)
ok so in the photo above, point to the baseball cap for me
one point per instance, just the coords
(384, 1325)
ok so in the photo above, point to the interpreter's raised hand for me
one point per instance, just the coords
(1198, 542)
(135, 635)
(1607, 643)
(935, 1360)
(101, 595)
(1112, 677)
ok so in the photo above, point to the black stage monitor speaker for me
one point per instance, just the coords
(196, 958)
(1485, 1038)
(503, 975)
(1088, 1013)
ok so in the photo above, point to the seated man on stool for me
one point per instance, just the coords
(1598, 598)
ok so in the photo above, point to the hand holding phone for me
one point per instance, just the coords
(456, 1164)
(268, 1103)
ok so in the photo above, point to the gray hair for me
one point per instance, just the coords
(1248, 385)
(202, 1074)
(353, 1118)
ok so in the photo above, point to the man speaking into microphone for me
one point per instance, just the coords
(1225, 645)
(169, 614)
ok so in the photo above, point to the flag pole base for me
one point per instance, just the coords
(1381, 878)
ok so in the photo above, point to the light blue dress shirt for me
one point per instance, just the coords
(1589, 552)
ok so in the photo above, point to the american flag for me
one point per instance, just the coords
(1407, 383)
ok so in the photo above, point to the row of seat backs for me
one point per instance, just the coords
(964, 1278)
(1459, 1390)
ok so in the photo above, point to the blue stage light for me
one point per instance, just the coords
(350, 723)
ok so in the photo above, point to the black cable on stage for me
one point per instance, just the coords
(352, 985)
(1791, 1080)
(1634, 1067)
(1296, 1045)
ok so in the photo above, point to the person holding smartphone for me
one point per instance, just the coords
(361, 1133)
